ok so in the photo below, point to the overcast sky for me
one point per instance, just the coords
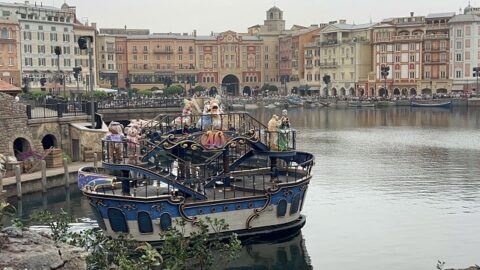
(237, 15)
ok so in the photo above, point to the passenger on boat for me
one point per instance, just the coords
(115, 139)
(186, 119)
(284, 131)
(273, 132)
(133, 148)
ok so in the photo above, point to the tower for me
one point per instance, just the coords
(275, 21)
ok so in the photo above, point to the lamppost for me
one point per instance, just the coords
(85, 43)
(58, 52)
(384, 72)
(476, 73)
(326, 80)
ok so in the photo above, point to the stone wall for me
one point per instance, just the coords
(13, 124)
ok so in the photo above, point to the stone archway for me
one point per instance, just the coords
(383, 92)
(343, 92)
(413, 92)
(334, 92)
(404, 92)
(49, 141)
(426, 91)
(362, 92)
(21, 145)
(396, 92)
(230, 84)
(352, 92)
(247, 91)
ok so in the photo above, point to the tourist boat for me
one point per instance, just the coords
(230, 170)
(444, 104)
(295, 101)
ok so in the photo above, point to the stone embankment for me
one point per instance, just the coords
(30, 250)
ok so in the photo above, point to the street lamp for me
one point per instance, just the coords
(85, 43)
(326, 80)
(384, 72)
(476, 73)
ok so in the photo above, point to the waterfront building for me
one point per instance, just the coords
(398, 44)
(270, 32)
(231, 61)
(10, 52)
(464, 49)
(342, 51)
(107, 66)
(155, 59)
(42, 28)
(436, 77)
(81, 59)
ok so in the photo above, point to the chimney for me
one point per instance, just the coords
(343, 21)
(194, 33)
(94, 25)
(411, 14)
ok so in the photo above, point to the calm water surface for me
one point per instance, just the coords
(395, 188)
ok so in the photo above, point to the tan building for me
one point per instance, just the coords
(10, 52)
(342, 51)
(398, 44)
(270, 32)
(106, 61)
(121, 57)
(154, 59)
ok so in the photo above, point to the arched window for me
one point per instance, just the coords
(282, 208)
(5, 33)
(98, 217)
(144, 222)
(117, 220)
(271, 15)
(295, 204)
(165, 221)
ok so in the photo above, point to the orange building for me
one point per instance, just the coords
(10, 52)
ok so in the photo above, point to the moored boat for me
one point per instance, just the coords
(443, 104)
(226, 166)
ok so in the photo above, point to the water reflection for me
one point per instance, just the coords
(288, 253)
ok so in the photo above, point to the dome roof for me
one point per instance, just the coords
(275, 9)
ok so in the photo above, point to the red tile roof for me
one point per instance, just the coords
(6, 87)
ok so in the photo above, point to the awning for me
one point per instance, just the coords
(457, 87)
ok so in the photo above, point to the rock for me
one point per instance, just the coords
(30, 250)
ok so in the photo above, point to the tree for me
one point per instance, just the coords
(199, 88)
(173, 90)
(272, 88)
(264, 87)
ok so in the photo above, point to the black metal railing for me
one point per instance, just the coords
(37, 110)
(151, 102)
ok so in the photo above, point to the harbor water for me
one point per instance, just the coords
(393, 188)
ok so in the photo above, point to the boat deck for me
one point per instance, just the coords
(243, 186)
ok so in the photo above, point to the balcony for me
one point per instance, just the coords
(441, 26)
(407, 38)
(110, 50)
(329, 43)
(329, 65)
(308, 56)
(162, 51)
(435, 62)
(437, 36)
(285, 58)
(382, 39)
(308, 66)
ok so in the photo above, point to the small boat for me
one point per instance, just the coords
(446, 104)
(270, 106)
(230, 169)
(360, 104)
(324, 104)
(295, 101)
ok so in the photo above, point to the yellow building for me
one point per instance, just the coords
(344, 52)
